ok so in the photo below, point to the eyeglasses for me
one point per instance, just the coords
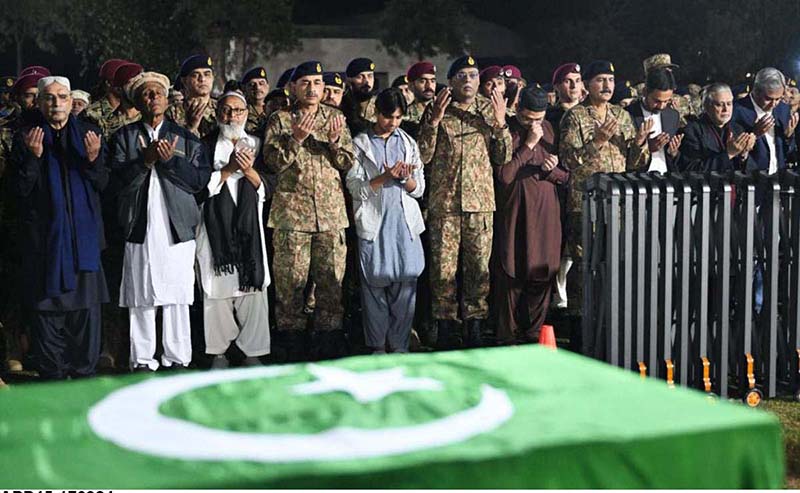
(51, 98)
(227, 111)
(467, 75)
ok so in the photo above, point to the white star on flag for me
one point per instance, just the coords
(365, 386)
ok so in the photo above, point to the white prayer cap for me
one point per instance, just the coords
(53, 79)
(140, 80)
(81, 96)
(235, 94)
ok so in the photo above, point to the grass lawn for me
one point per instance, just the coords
(789, 413)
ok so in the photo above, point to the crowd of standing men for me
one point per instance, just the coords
(293, 212)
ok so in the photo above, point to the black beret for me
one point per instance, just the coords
(548, 87)
(195, 62)
(177, 84)
(359, 65)
(6, 83)
(533, 99)
(333, 79)
(622, 90)
(682, 90)
(465, 61)
(400, 81)
(284, 78)
(312, 67)
(276, 93)
(597, 67)
(254, 73)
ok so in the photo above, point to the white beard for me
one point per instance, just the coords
(232, 131)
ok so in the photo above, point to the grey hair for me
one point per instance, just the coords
(53, 79)
(714, 89)
(768, 79)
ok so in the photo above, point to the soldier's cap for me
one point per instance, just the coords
(682, 90)
(465, 61)
(563, 70)
(6, 83)
(491, 72)
(26, 82)
(195, 62)
(658, 60)
(622, 90)
(533, 98)
(791, 82)
(79, 95)
(740, 89)
(419, 69)
(312, 67)
(284, 78)
(125, 73)
(140, 80)
(35, 69)
(254, 73)
(276, 93)
(400, 80)
(333, 79)
(548, 87)
(358, 65)
(596, 68)
(108, 68)
(512, 71)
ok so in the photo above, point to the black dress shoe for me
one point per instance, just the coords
(448, 337)
(472, 328)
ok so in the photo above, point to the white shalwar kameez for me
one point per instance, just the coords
(228, 313)
(158, 273)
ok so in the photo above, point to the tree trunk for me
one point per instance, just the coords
(18, 40)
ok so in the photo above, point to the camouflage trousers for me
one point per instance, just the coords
(296, 255)
(470, 235)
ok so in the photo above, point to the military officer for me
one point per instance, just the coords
(256, 87)
(198, 111)
(358, 103)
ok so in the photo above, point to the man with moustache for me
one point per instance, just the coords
(307, 147)
(358, 103)
(664, 141)
(197, 113)
(58, 170)
(231, 245)
(334, 89)
(108, 98)
(159, 166)
(255, 85)
(461, 136)
(678, 103)
(597, 137)
(492, 78)
(422, 81)
(125, 112)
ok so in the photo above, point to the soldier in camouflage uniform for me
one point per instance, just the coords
(256, 87)
(422, 81)
(198, 111)
(334, 89)
(358, 103)
(125, 112)
(104, 106)
(679, 103)
(460, 142)
(597, 137)
(308, 146)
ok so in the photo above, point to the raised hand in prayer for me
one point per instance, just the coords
(644, 131)
(498, 108)
(337, 124)
(302, 126)
(34, 141)
(92, 144)
(674, 145)
(441, 103)
(605, 130)
(166, 149)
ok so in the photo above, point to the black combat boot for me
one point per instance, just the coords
(472, 333)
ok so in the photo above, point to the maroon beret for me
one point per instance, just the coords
(108, 68)
(124, 73)
(419, 69)
(561, 72)
(512, 71)
(491, 72)
(26, 82)
(35, 69)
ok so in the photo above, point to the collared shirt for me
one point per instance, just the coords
(153, 132)
(658, 160)
(769, 136)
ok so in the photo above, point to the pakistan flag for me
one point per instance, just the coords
(524, 417)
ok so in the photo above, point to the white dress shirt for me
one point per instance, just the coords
(770, 136)
(658, 159)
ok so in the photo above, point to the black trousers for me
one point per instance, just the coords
(532, 299)
(66, 344)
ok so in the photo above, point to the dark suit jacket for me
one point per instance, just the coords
(744, 114)
(703, 147)
(670, 121)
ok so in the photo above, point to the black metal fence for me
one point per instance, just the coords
(695, 279)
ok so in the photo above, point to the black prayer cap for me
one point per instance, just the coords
(533, 99)
(597, 67)
(312, 67)
(195, 62)
(254, 73)
(465, 61)
(359, 65)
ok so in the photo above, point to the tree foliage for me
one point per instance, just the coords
(424, 28)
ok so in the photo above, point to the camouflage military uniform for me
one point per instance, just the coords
(98, 111)
(255, 121)
(459, 154)
(309, 218)
(581, 156)
(413, 117)
(684, 109)
(208, 122)
(116, 120)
